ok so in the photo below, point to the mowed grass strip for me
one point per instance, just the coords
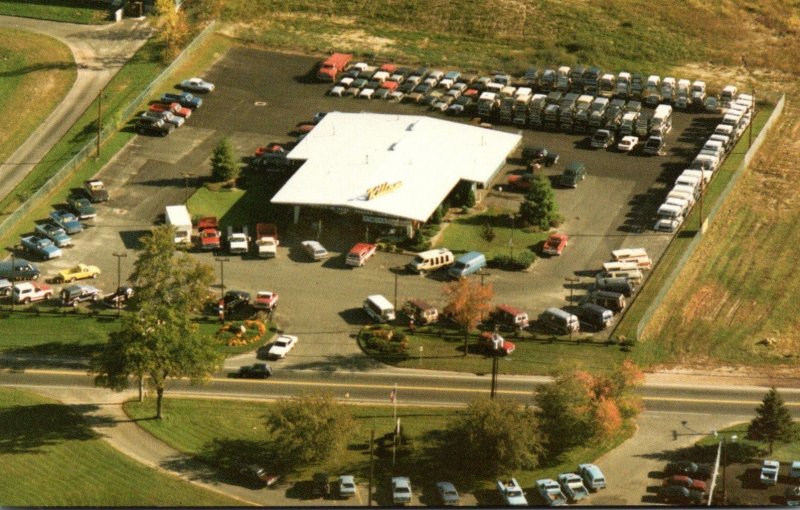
(467, 233)
(52, 458)
(37, 72)
(222, 431)
(75, 11)
(741, 286)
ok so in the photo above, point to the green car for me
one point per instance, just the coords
(575, 171)
(82, 207)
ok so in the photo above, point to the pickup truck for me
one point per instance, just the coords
(66, 220)
(54, 233)
(265, 300)
(238, 242)
(184, 99)
(151, 126)
(492, 343)
(72, 295)
(95, 190)
(267, 239)
(769, 472)
(511, 492)
(572, 486)
(208, 227)
(175, 108)
(401, 490)
(41, 246)
(79, 272)
(551, 492)
(82, 207)
(165, 116)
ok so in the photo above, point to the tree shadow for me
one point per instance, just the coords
(30, 428)
(50, 354)
(737, 453)
(357, 362)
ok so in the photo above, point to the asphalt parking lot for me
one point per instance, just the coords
(260, 97)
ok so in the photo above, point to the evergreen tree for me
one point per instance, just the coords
(436, 218)
(224, 166)
(773, 422)
(539, 207)
(469, 201)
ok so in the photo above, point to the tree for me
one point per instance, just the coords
(310, 428)
(224, 166)
(467, 302)
(469, 199)
(498, 436)
(539, 207)
(773, 422)
(436, 218)
(171, 27)
(160, 340)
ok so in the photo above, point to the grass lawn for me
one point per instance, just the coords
(783, 452)
(227, 433)
(75, 11)
(443, 349)
(467, 234)
(52, 458)
(32, 66)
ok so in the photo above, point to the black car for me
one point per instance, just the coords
(680, 495)
(539, 155)
(72, 295)
(119, 297)
(688, 468)
(255, 371)
(153, 126)
(321, 486)
(234, 299)
(575, 172)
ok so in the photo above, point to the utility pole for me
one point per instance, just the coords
(494, 374)
(99, 118)
(371, 466)
(573, 280)
(119, 256)
(222, 261)
(186, 176)
(511, 240)
(702, 192)
(12, 279)
(752, 121)
(395, 270)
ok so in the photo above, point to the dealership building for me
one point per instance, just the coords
(391, 169)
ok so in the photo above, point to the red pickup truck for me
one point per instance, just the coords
(175, 108)
(209, 233)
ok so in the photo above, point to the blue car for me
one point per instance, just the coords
(55, 233)
(67, 220)
(41, 246)
(185, 99)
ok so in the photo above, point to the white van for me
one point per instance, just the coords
(733, 119)
(681, 198)
(670, 212)
(379, 308)
(431, 260)
(725, 130)
(726, 141)
(178, 216)
(694, 192)
(633, 275)
(620, 265)
(685, 180)
(704, 162)
(699, 174)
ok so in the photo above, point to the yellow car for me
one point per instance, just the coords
(79, 272)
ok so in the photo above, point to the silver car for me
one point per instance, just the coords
(448, 495)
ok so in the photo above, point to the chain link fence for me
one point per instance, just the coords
(120, 118)
(737, 174)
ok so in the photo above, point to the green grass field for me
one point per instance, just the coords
(52, 458)
(783, 452)
(443, 349)
(76, 11)
(466, 234)
(32, 66)
(226, 433)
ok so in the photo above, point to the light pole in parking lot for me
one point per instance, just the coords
(511, 240)
(573, 280)
(13, 248)
(724, 446)
(222, 261)
(186, 176)
(119, 256)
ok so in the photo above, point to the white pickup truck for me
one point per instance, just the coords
(551, 492)
(401, 490)
(238, 242)
(511, 492)
(572, 486)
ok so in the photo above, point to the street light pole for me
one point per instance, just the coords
(511, 241)
(395, 271)
(725, 465)
(186, 176)
(119, 256)
(12, 279)
(222, 261)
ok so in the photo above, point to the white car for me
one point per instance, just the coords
(511, 492)
(281, 347)
(628, 143)
(769, 472)
(197, 85)
(366, 94)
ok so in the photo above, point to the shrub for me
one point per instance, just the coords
(521, 260)
(488, 232)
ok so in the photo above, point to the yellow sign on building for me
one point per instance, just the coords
(382, 189)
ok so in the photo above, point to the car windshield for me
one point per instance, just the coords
(514, 493)
(281, 343)
(401, 489)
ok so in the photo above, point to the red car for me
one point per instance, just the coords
(555, 244)
(305, 128)
(270, 149)
(391, 85)
(389, 68)
(175, 108)
(520, 181)
(209, 233)
(685, 481)
(490, 342)
(265, 300)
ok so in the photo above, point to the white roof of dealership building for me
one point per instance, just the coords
(348, 153)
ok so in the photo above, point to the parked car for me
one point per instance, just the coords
(555, 244)
(174, 108)
(184, 99)
(82, 207)
(72, 295)
(494, 344)
(602, 139)
(401, 490)
(281, 346)
(511, 492)
(628, 143)
(55, 233)
(593, 478)
(119, 297)
(314, 250)
(197, 85)
(66, 220)
(654, 146)
(260, 474)
(320, 485)
(769, 472)
(572, 486)
(78, 272)
(265, 300)
(792, 495)
(448, 495)
(235, 299)
(168, 117)
(41, 246)
(679, 495)
(5, 287)
(154, 126)
(574, 173)
(347, 486)
(27, 292)
(460, 106)
(95, 190)
(539, 155)
(550, 492)
(688, 468)
(254, 371)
